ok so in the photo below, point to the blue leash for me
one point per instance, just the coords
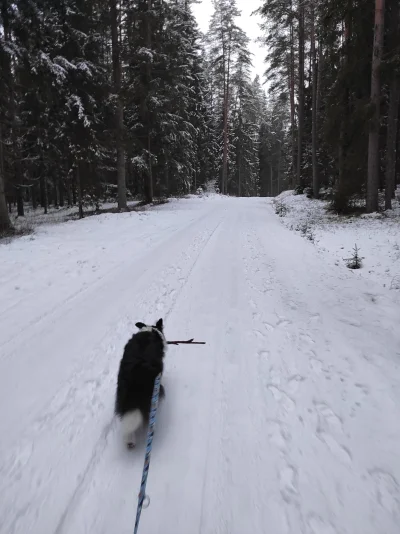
(144, 500)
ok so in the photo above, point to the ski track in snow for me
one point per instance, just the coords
(286, 422)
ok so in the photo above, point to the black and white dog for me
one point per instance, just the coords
(141, 363)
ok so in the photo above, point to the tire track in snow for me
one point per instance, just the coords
(61, 260)
(238, 468)
(102, 443)
(58, 417)
(83, 478)
(277, 382)
(83, 493)
(218, 399)
(146, 257)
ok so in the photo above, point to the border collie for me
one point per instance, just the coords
(141, 363)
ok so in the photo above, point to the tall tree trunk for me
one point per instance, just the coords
(148, 75)
(300, 179)
(393, 112)
(20, 200)
(320, 72)
(55, 191)
(225, 145)
(33, 196)
(68, 183)
(9, 76)
(61, 192)
(69, 193)
(342, 187)
(150, 186)
(166, 177)
(279, 169)
(73, 188)
(271, 177)
(5, 222)
(119, 112)
(79, 187)
(43, 190)
(46, 196)
(292, 103)
(314, 82)
(225, 132)
(391, 142)
(226, 66)
(373, 141)
(239, 178)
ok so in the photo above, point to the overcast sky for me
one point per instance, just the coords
(248, 23)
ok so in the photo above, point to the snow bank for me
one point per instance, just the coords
(37, 217)
(376, 235)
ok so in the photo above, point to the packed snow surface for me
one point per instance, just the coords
(286, 421)
(377, 235)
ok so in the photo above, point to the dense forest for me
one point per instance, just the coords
(335, 64)
(110, 100)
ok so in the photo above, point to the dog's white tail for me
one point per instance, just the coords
(131, 422)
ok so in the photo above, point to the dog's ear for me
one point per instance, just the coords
(140, 325)
(160, 325)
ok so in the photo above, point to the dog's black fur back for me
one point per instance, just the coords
(141, 363)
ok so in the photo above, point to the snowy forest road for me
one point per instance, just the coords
(285, 422)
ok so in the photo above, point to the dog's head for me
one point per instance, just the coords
(158, 326)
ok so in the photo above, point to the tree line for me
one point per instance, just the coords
(116, 98)
(334, 66)
(112, 99)
(100, 99)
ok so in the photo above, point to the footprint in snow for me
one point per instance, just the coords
(328, 420)
(268, 326)
(294, 382)
(259, 334)
(317, 525)
(315, 317)
(340, 452)
(316, 365)
(329, 425)
(279, 435)
(282, 322)
(387, 491)
(306, 338)
(285, 401)
(363, 388)
(288, 483)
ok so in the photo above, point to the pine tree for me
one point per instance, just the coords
(394, 100)
(334, 97)
(281, 33)
(373, 146)
(275, 147)
(300, 113)
(5, 75)
(224, 40)
(115, 18)
(245, 122)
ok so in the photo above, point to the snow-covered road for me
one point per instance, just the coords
(287, 421)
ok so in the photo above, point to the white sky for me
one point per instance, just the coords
(248, 23)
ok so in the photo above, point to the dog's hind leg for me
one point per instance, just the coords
(131, 421)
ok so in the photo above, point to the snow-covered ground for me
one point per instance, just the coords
(377, 236)
(35, 217)
(287, 421)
